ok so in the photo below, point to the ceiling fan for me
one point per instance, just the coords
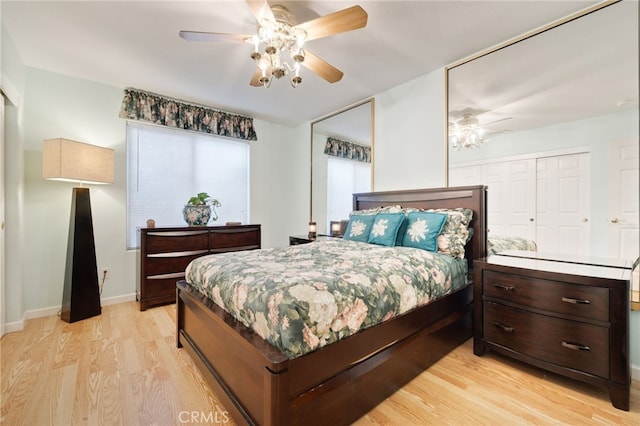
(467, 132)
(279, 33)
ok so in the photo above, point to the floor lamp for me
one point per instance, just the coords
(72, 161)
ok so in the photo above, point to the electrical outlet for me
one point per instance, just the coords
(105, 274)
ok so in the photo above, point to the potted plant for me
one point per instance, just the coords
(199, 209)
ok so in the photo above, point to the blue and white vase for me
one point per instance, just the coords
(196, 215)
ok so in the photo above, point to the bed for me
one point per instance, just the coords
(341, 381)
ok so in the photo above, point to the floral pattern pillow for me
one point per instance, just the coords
(375, 210)
(496, 244)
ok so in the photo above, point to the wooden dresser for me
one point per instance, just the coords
(568, 315)
(166, 252)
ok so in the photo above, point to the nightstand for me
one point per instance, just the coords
(304, 239)
(565, 314)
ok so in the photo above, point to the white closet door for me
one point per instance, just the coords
(624, 241)
(494, 176)
(510, 194)
(562, 204)
(520, 205)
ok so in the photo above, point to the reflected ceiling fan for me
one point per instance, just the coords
(279, 34)
(467, 132)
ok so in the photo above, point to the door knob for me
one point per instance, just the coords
(615, 220)
(585, 220)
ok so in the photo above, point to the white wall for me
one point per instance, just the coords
(13, 71)
(409, 150)
(62, 107)
(280, 181)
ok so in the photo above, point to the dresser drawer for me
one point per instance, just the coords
(162, 287)
(558, 297)
(572, 344)
(163, 241)
(166, 263)
(233, 239)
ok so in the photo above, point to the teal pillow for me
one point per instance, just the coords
(385, 228)
(358, 228)
(423, 229)
(401, 230)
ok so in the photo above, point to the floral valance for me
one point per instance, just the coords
(156, 109)
(349, 150)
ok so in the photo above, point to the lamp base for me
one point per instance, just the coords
(81, 294)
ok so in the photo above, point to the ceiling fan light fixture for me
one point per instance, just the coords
(466, 133)
(298, 56)
(278, 72)
(276, 37)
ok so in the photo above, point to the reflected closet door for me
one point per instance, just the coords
(563, 204)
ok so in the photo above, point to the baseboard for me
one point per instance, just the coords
(11, 327)
(118, 299)
(635, 372)
(54, 310)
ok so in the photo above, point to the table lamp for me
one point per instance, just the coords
(72, 161)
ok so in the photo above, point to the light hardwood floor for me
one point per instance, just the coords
(123, 368)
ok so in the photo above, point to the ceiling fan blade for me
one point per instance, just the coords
(255, 79)
(497, 121)
(261, 10)
(341, 21)
(322, 68)
(204, 36)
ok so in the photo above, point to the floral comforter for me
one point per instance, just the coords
(303, 297)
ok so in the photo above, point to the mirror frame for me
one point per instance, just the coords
(372, 103)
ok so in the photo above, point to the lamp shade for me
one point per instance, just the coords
(67, 160)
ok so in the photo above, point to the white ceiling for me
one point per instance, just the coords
(136, 44)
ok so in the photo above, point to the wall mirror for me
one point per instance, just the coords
(336, 175)
(558, 145)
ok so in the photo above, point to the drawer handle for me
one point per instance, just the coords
(576, 301)
(504, 287)
(575, 347)
(503, 327)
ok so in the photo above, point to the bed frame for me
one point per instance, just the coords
(341, 382)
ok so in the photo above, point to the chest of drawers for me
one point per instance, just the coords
(166, 252)
(571, 318)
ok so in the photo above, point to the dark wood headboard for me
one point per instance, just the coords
(470, 197)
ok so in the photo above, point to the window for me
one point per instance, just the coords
(344, 178)
(167, 167)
